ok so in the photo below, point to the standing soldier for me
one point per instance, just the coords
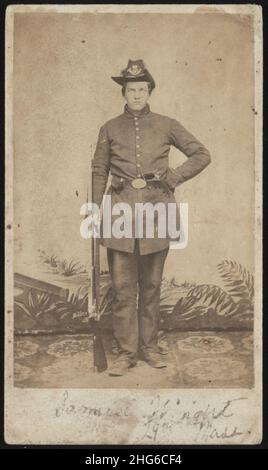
(134, 147)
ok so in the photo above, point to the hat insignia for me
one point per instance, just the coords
(134, 70)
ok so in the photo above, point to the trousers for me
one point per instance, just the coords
(136, 281)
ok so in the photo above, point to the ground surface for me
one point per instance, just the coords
(195, 360)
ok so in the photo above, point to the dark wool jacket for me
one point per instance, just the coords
(136, 143)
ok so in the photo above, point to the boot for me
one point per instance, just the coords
(121, 366)
(153, 359)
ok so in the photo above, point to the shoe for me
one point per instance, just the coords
(121, 366)
(153, 359)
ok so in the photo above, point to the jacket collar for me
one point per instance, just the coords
(129, 113)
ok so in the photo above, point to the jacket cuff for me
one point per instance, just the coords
(173, 179)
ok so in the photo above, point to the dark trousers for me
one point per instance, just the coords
(136, 279)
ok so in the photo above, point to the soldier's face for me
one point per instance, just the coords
(137, 95)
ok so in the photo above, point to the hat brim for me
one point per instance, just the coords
(143, 78)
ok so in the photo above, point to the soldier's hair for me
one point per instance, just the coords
(150, 88)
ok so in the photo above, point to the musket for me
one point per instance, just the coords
(99, 356)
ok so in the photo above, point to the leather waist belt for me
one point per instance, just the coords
(138, 183)
(141, 182)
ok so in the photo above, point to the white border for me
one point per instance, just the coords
(30, 416)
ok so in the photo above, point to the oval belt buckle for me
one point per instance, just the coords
(138, 183)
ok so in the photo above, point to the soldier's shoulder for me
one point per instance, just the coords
(114, 121)
(161, 117)
(168, 120)
(112, 124)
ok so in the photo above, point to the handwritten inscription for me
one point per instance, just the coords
(164, 417)
(68, 408)
(205, 420)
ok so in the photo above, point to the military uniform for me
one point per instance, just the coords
(130, 146)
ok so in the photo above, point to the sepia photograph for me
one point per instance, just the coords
(133, 224)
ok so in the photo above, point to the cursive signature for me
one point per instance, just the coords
(208, 422)
(164, 417)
